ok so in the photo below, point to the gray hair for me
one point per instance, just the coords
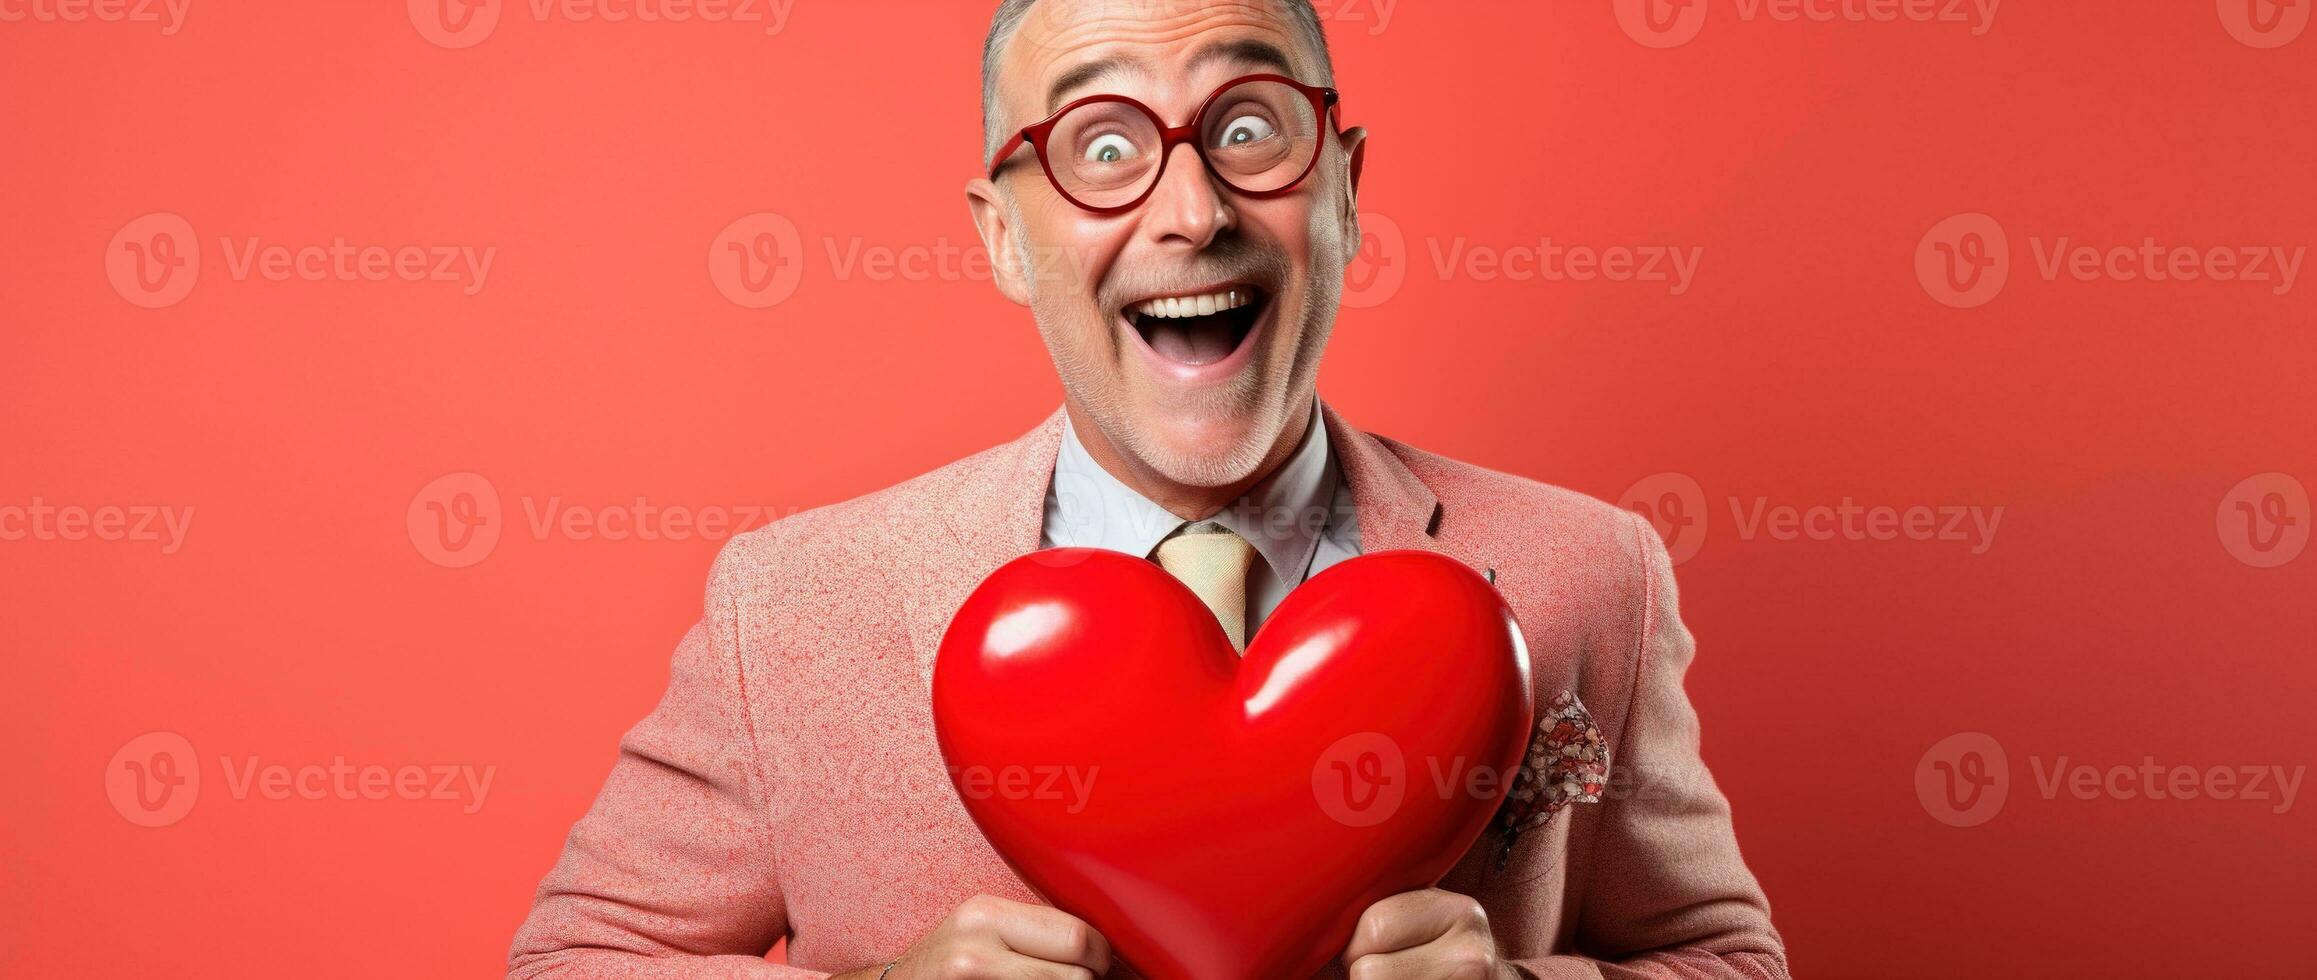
(1009, 19)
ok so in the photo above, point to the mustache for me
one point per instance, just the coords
(1225, 260)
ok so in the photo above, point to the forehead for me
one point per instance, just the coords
(1159, 47)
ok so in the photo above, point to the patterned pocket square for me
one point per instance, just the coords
(1567, 762)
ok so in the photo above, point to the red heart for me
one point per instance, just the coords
(1218, 817)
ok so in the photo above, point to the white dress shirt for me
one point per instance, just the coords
(1300, 518)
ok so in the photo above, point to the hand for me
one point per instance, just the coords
(1426, 935)
(990, 938)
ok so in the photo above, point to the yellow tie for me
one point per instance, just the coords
(1213, 561)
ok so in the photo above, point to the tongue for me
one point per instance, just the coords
(1193, 340)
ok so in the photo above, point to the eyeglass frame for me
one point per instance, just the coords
(1325, 104)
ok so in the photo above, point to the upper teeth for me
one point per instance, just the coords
(1212, 303)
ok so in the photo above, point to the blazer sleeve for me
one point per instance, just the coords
(671, 872)
(1665, 893)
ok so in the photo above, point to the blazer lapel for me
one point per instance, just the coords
(992, 511)
(1396, 509)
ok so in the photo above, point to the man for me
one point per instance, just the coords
(1187, 160)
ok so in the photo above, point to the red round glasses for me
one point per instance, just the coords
(1258, 134)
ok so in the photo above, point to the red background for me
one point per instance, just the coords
(2108, 620)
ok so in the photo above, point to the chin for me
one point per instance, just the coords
(1205, 446)
(1199, 395)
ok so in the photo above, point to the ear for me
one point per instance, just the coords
(1355, 144)
(994, 221)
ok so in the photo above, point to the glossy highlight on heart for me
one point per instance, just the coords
(1227, 818)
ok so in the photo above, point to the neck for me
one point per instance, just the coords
(1187, 501)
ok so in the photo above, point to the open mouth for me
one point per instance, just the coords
(1199, 329)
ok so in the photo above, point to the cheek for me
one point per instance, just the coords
(1069, 251)
(1328, 247)
(1311, 241)
(1304, 233)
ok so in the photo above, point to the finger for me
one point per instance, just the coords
(1429, 962)
(1020, 967)
(999, 963)
(1461, 955)
(1055, 936)
(1410, 919)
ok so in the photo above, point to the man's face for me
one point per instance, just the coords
(1201, 400)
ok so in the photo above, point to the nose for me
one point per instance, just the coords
(1188, 208)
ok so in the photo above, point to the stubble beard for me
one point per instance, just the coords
(1090, 361)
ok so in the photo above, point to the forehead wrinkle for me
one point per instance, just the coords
(1258, 20)
(1249, 51)
(1245, 51)
(1085, 75)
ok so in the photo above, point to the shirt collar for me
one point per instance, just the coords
(1282, 516)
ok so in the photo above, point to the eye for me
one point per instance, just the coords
(1244, 129)
(1111, 148)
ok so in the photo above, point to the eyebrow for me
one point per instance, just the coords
(1248, 51)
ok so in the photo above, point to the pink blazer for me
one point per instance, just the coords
(788, 784)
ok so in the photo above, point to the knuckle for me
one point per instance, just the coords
(962, 964)
(976, 913)
(1472, 964)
